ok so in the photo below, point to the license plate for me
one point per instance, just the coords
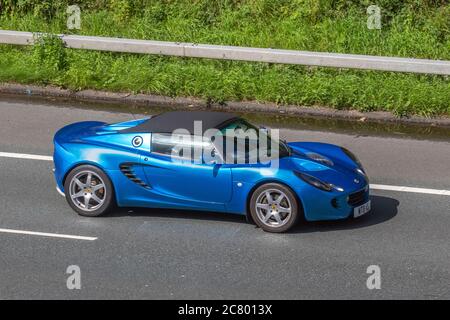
(362, 209)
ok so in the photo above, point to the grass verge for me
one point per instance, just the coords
(408, 30)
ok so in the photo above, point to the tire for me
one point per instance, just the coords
(274, 214)
(98, 195)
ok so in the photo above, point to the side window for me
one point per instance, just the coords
(241, 143)
(162, 143)
(181, 146)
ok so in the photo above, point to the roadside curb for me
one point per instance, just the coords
(149, 100)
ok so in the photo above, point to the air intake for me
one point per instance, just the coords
(357, 198)
(127, 170)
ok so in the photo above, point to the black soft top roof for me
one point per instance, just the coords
(170, 121)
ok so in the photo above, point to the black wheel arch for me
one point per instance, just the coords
(79, 164)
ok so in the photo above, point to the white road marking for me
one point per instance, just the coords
(25, 156)
(372, 186)
(44, 234)
(410, 189)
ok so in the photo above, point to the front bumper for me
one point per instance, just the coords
(60, 192)
(320, 205)
(57, 187)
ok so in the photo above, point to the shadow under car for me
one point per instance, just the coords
(383, 209)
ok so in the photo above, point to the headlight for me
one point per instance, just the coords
(319, 158)
(363, 173)
(314, 181)
(353, 157)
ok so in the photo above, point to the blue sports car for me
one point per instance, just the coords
(213, 161)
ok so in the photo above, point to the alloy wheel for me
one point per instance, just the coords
(273, 208)
(87, 190)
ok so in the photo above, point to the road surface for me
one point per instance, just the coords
(168, 254)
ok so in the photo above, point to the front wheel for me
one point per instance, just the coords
(89, 191)
(274, 207)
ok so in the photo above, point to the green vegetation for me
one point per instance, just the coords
(410, 28)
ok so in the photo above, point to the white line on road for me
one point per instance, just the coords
(372, 186)
(410, 189)
(44, 234)
(25, 156)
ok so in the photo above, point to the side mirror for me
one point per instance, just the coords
(211, 156)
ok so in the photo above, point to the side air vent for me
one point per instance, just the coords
(127, 170)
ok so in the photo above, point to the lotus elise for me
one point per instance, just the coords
(166, 161)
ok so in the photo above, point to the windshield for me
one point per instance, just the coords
(245, 143)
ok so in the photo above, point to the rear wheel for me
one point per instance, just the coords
(274, 207)
(89, 191)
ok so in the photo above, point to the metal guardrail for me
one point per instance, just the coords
(182, 49)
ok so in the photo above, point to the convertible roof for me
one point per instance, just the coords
(170, 121)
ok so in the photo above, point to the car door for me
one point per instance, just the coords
(180, 179)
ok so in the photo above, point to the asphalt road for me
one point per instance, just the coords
(167, 254)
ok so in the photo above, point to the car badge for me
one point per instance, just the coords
(137, 141)
(356, 181)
